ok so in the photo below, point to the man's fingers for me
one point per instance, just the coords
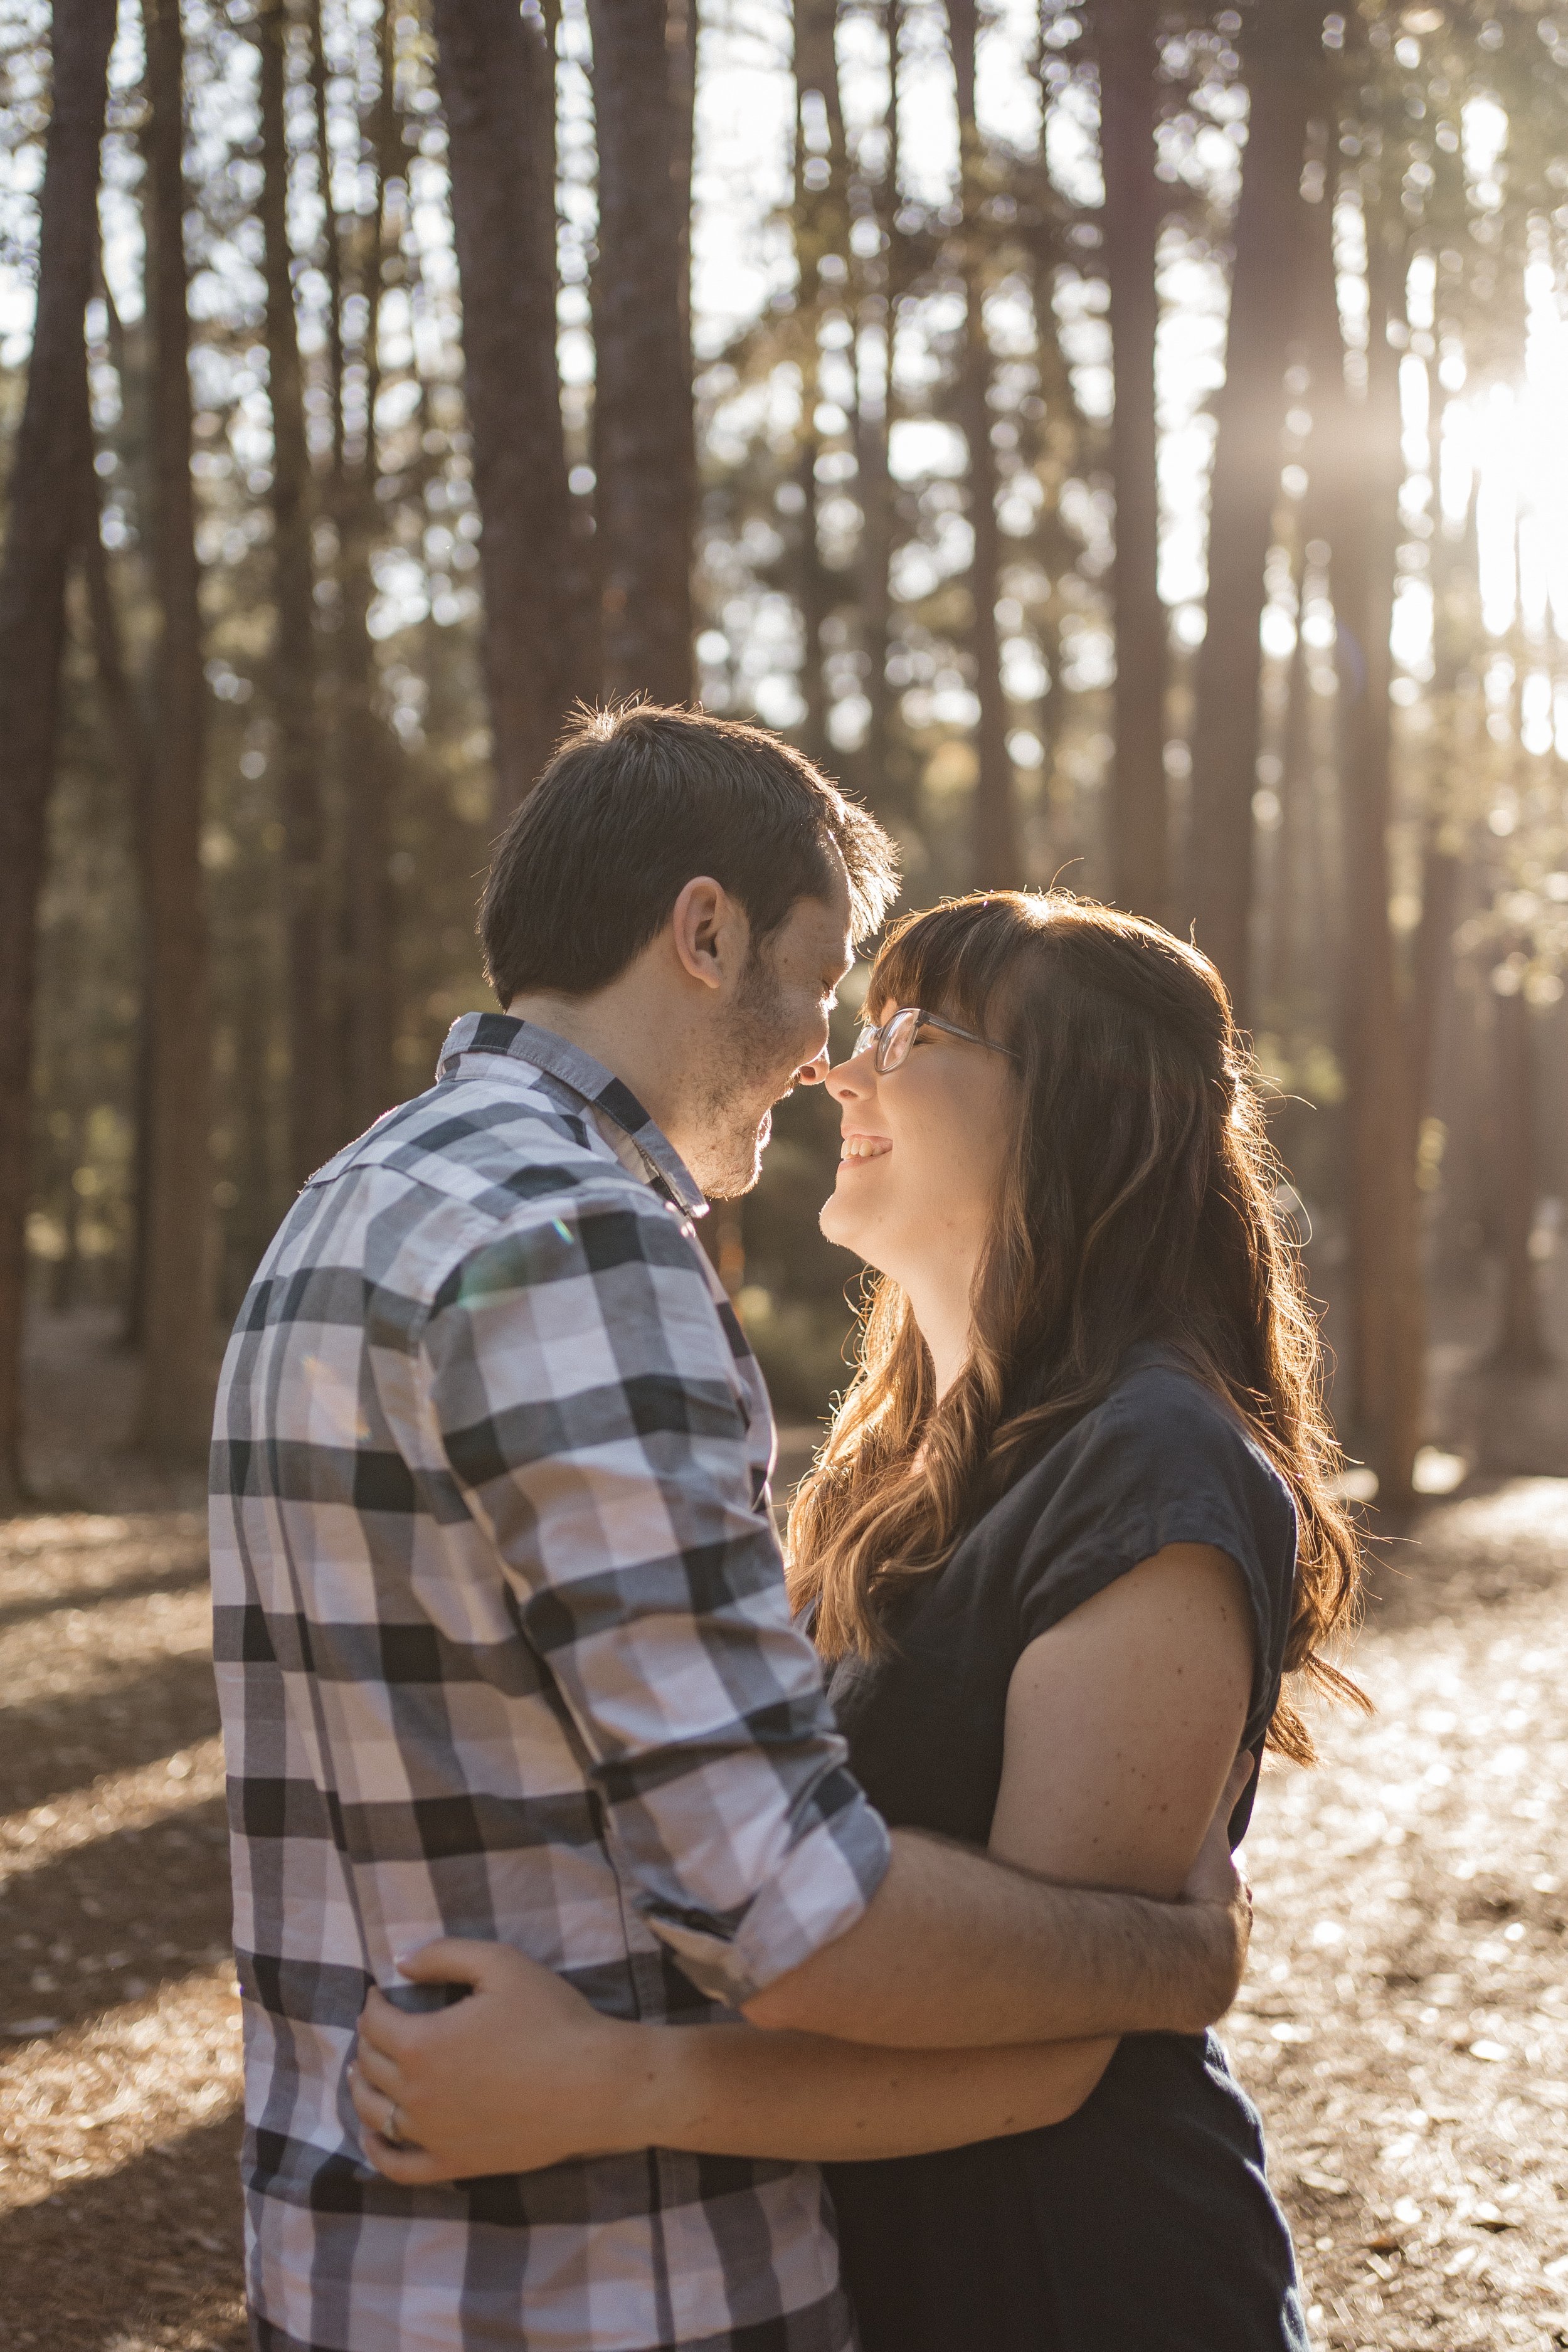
(1236, 1787)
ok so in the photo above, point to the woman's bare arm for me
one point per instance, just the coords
(524, 2073)
(1123, 1728)
(1119, 1751)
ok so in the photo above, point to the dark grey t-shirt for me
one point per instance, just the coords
(1143, 2223)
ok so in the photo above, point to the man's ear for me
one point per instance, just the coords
(710, 931)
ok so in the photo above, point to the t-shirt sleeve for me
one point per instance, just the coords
(1162, 1462)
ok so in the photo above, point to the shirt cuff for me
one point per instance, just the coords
(823, 1886)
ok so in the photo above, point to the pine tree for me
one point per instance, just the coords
(47, 508)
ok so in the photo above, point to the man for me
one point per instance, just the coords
(502, 1640)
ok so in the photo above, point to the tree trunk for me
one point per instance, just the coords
(1382, 1102)
(1129, 114)
(331, 257)
(998, 860)
(1250, 413)
(888, 794)
(643, 427)
(52, 445)
(820, 215)
(298, 759)
(497, 75)
(176, 1399)
(1283, 909)
(126, 739)
(369, 762)
(1522, 1338)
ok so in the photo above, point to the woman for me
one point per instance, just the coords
(1071, 1543)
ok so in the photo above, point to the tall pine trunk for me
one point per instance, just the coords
(177, 1325)
(1250, 413)
(642, 423)
(497, 75)
(294, 668)
(820, 213)
(369, 759)
(1520, 1345)
(52, 452)
(876, 309)
(1129, 115)
(998, 859)
(1383, 1098)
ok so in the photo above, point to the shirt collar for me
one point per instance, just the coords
(521, 1041)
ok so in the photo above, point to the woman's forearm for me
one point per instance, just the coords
(725, 2090)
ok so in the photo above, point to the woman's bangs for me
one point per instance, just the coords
(951, 960)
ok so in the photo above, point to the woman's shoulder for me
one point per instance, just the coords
(1161, 1412)
(1159, 1459)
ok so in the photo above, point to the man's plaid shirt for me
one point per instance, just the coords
(503, 1651)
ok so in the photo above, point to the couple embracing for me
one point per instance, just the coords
(649, 1942)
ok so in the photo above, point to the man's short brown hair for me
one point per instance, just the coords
(635, 802)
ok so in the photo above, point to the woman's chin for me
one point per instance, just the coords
(839, 1223)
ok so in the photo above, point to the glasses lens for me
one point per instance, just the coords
(866, 1036)
(897, 1037)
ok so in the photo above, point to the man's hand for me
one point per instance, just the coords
(520, 2075)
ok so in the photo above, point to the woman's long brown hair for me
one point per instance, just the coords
(1139, 1205)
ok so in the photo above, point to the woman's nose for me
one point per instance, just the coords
(854, 1078)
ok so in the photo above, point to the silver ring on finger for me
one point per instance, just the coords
(389, 2130)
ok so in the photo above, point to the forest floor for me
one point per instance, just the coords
(1404, 2027)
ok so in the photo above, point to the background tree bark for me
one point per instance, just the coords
(369, 761)
(643, 426)
(52, 451)
(497, 75)
(822, 237)
(876, 309)
(1520, 1344)
(1383, 1086)
(1277, 63)
(299, 752)
(1129, 116)
(177, 1347)
(999, 858)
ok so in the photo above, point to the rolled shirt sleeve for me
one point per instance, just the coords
(588, 1404)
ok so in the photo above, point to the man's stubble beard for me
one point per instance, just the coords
(744, 1080)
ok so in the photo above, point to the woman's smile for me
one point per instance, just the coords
(857, 1146)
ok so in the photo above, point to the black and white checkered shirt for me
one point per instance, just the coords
(503, 1651)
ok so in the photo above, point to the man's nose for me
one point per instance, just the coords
(813, 1073)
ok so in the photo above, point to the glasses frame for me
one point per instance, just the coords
(876, 1033)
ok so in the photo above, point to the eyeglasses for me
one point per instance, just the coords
(894, 1036)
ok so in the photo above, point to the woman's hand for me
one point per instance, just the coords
(523, 2073)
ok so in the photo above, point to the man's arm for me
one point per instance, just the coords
(1122, 1724)
(524, 2073)
(959, 1949)
(584, 1392)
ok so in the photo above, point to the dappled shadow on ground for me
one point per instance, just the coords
(1496, 1539)
(146, 2256)
(1404, 2027)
